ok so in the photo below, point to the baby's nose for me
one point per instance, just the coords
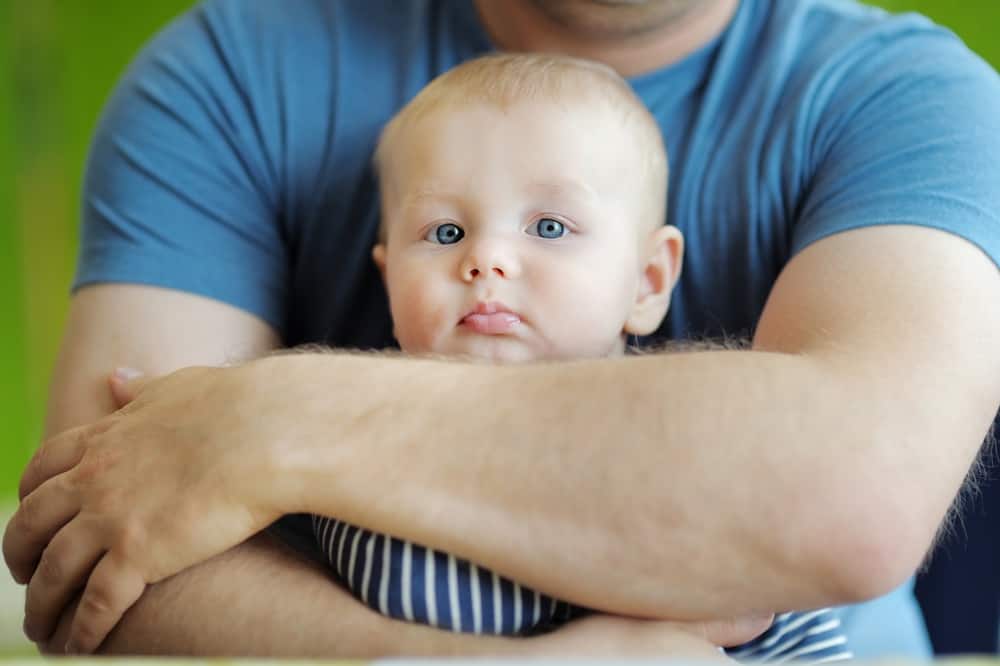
(489, 260)
(474, 272)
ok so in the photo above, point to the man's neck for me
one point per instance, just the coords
(519, 25)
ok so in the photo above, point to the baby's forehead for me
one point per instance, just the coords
(589, 108)
(546, 133)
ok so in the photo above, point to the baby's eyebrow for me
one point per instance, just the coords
(563, 188)
(426, 195)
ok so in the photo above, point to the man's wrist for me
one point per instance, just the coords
(320, 409)
(288, 388)
(339, 418)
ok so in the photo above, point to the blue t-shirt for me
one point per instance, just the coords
(233, 161)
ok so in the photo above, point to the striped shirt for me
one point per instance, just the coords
(405, 581)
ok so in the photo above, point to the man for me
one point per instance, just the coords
(833, 174)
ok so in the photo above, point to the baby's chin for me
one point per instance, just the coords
(507, 350)
(491, 349)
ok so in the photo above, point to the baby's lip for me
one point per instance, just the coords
(488, 308)
(491, 318)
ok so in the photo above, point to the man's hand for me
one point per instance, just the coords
(148, 491)
(610, 635)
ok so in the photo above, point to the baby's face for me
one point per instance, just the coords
(513, 235)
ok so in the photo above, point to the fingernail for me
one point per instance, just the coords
(125, 374)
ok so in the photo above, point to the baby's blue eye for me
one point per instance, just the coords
(548, 228)
(445, 234)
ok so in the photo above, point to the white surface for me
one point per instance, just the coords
(12, 641)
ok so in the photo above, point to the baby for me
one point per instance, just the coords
(523, 219)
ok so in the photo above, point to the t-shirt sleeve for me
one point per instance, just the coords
(909, 133)
(182, 188)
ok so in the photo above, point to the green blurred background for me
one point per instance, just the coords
(58, 61)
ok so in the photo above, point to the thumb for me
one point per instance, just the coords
(126, 383)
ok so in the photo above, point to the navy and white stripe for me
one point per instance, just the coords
(409, 582)
(810, 637)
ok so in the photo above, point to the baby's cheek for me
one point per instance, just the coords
(593, 319)
(418, 318)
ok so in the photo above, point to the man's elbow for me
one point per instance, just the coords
(875, 555)
(885, 538)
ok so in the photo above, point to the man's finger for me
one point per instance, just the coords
(62, 571)
(735, 631)
(112, 589)
(55, 456)
(37, 519)
(56, 645)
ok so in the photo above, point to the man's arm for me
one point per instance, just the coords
(314, 618)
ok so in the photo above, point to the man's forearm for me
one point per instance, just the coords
(227, 606)
(676, 492)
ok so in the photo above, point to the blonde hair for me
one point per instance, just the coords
(505, 79)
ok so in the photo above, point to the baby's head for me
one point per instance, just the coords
(523, 206)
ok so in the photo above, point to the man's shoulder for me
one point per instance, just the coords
(846, 39)
(807, 59)
(822, 65)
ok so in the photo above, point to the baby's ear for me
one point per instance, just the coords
(660, 272)
(378, 256)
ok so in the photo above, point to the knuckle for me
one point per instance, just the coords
(96, 602)
(51, 567)
(131, 541)
(29, 515)
(95, 464)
